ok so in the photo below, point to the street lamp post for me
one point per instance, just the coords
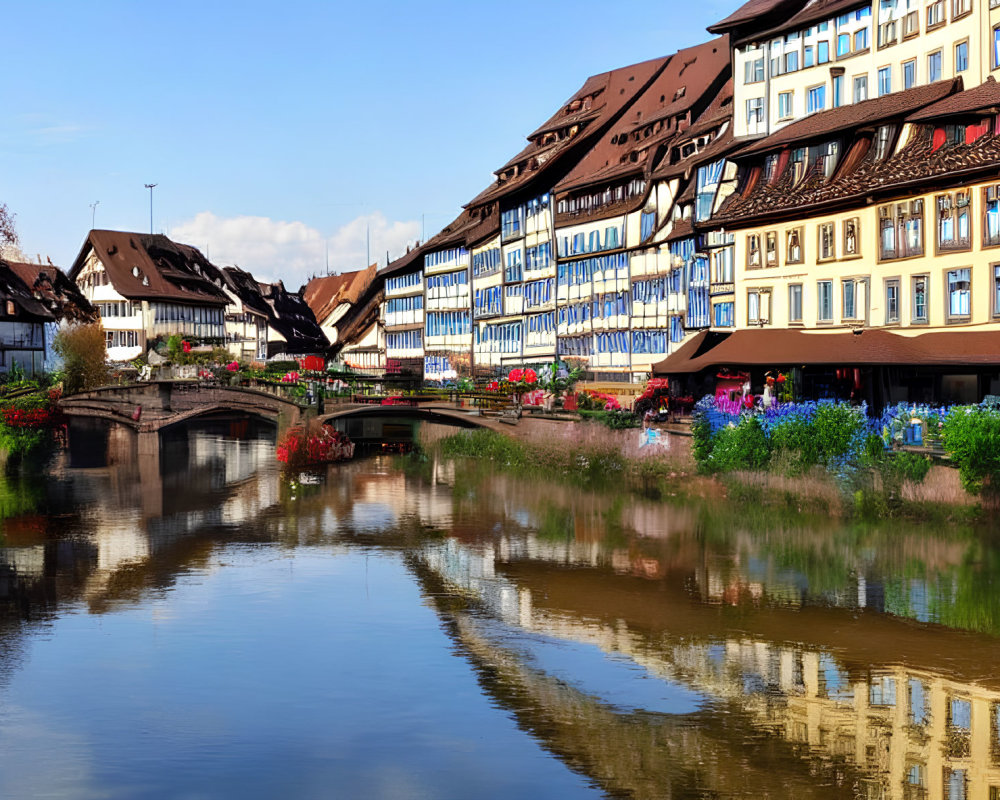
(93, 213)
(150, 186)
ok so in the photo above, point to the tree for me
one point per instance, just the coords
(8, 233)
(84, 351)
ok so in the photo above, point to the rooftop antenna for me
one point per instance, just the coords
(93, 213)
(150, 186)
(327, 256)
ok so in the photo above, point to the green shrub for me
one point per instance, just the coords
(794, 446)
(911, 467)
(744, 446)
(83, 349)
(971, 437)
(838, 430)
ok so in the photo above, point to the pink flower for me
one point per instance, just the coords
(515, 375)
(233, 366)
(530, 376)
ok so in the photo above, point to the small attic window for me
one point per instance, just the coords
(680, 93)
(145, 281)
(136, 272)
(663, 97)
(11, 309)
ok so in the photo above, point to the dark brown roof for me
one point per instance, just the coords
(14, 290)
(814, 11)
(755, 11)
(152, 267)
(984, 97)
(49, 285)
(610, 92)
(681, 229)
(863, 176)
(294, 320)
(856, 115)
(688, 83)
(781, 347)
(722, 145)
(245, 286)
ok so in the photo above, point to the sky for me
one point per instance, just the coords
(286, 137)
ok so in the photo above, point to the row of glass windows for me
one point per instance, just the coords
(448, 323)
(171, 312)
(396, 304)
(611, 305)
(593, 242)
(402, 282)
(542, 323)
(445, 256)
(651, 291)
(574, 314)
(405, 340)
(439, 285)
(120, 308)
(582, 271)
(652, 341)
(486, 262)
(610, 195)
(504, 338)
(765, 253)
(487, 301)
(538, 293)
(122, 338)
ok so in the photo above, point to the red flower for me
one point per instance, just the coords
(748, 401)
(515, 375)
(233, 366)
(186, 346)
(493, 387)
(530, 376)
(781, 379)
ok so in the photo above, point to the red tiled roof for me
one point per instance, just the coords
(856, 115)
(610, 92)
(325, 294)
(692, 73)
(868, 347)
(980, 98)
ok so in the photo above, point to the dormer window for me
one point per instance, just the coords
(883, 142)
(680, 93)
(11, 309)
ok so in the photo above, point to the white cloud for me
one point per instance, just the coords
(293, 251)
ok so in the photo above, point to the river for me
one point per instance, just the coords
(206, 627)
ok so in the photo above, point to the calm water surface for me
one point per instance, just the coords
(201, 626)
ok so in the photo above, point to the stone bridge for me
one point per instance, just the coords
(445, 414)
(150, 407)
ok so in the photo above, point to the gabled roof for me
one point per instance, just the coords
(601, 99)
(245, 286)
(856, 115)
(14, 290)
(864, 175)
(981, 98)
(687, 84)
(294, 320)
(756, 15)
(49, 285)
(152, 267)
(325, 294)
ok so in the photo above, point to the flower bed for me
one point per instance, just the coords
(304, 446)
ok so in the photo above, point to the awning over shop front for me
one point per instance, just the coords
(859, 347)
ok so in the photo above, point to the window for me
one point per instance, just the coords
(910, 74)
(843, 44)
(825, 231)
(808, 56)
(849, 297)
(758, 306)
(882, 691)
(953, 221)
(934, 67)
(883, 142)
(815, 99)
(753, 250)
(851, 237)
(918, 703)
(861, 40)
(935, 14)
(824, 301)
(911, 24)
(959, 293)
(799, 160)
(920, 298)
(995, 58)
(771, 249)
(793, 246)
(892, 301)
(887, 33)
(901, 230)
(724, 315)
(755, 111)
(754, 70)
(822, 52)
(784, 105)
(996, 290)
(959, 8)
(722, 265)
(955, 784)
(838, 91)
(860, 88)
(961, 56)
(791, 61)
(795, 302)
(884, 81)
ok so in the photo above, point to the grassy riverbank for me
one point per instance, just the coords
(874, 486)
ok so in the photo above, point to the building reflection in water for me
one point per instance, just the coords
(790, 636)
